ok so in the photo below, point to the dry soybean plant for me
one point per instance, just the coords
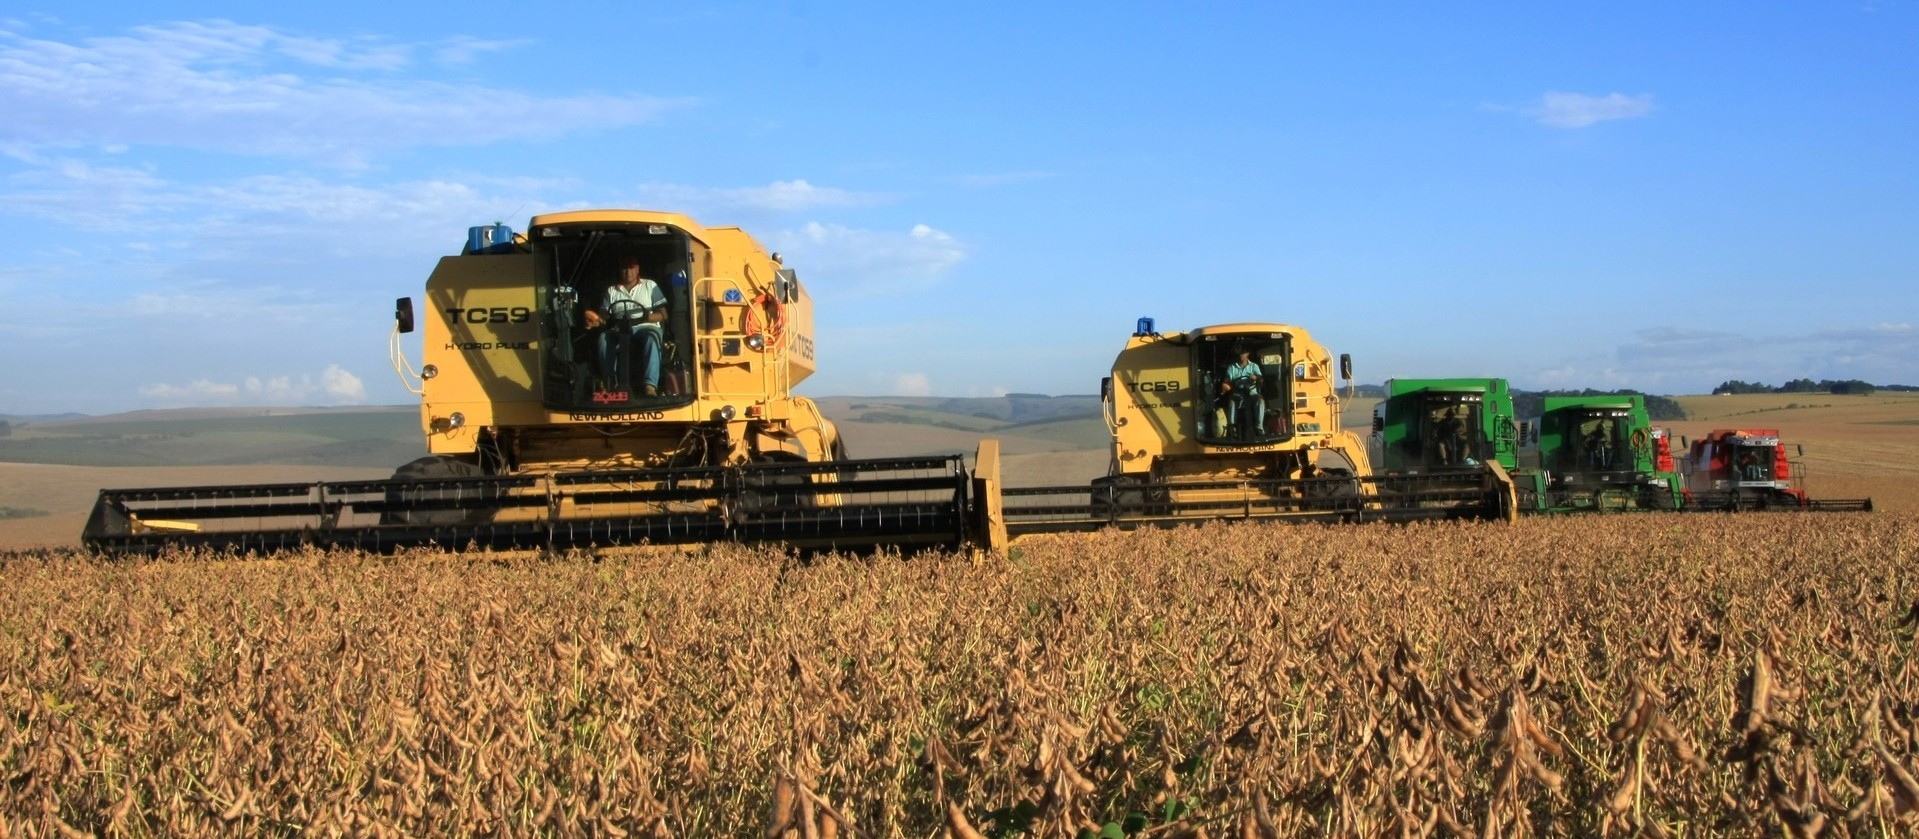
(1613, 675)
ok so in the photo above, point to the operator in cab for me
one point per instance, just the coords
(1599, 445)
(1241, 388)
(1449, 438)
(631, 313)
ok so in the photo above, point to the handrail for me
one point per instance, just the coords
(773, 374)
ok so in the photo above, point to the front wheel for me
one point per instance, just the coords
(1120, 496)
(763, 493)
(1334, 490)
(427, 501)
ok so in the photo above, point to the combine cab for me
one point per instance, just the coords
(1452, 429)
(1584, 453)
(1739, 469)
(1441, 426)
(1240, 421)
(1602, 453)
(559, 414)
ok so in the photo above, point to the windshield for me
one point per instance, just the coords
(1752, 463)
(1598, 442)
(1243, 383)
(616, 317)
(1449, 431)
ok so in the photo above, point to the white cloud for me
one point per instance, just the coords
(334, 386)
(1876, 331)
(192, 393)
(251, 209)
(1673, 359)
(991, 180)
(912, 384)
(358, 54)
(1578, 110)
(788, 196)
(872, 263)
(254, 90)
(341, 385)
(776, 197)
(268, 255)
(461, 49)
(1664, 341)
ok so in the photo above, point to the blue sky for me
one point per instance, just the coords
(216, 204)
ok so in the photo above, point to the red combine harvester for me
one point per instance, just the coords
(1734, 469)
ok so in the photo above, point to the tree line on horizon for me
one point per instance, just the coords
(1848, 387)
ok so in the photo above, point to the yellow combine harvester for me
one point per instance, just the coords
(1239, 421)
(615, 377)
(610, 377)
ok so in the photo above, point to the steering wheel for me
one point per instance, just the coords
(628, 313)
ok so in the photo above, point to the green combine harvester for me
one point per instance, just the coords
(1439, 426)
(1601, 453)
(1584, 453)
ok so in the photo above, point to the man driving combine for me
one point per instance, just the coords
(1449, 438)
(1599, 446)
(633, 310)
(1241, 388)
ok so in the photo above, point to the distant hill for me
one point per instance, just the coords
(382, 437)
(385, 437)
(23, 419)
(1011, 408)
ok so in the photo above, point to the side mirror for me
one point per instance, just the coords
(786, 286)
(1800, 448)
(1106, 389)
(403, 314)
(1346, 366)
(1379, 424)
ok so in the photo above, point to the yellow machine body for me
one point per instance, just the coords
(491, 323)
(1238, 420)
(1168, 417)
(559, 413)
(614, 377)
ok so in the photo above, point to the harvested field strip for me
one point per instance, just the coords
(1619, 675)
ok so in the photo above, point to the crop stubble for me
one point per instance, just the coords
(1602, 675)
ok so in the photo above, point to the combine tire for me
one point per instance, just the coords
(761, 493)
(1114, 498)
(1338, 491)
(1657, 498)
(428, 469)
(1528, 499)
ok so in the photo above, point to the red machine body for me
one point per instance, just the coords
(1746, 465)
